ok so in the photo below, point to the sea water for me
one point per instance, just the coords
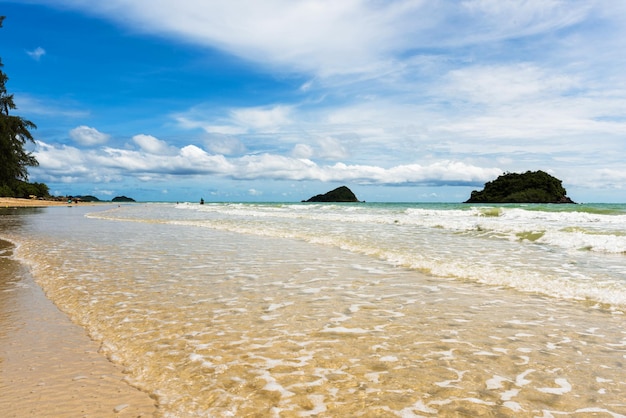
(364, 309)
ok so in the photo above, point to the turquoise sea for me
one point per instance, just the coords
(363, 309)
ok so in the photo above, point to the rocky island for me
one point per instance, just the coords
(122, 199)
(528, 187)
(340, 194)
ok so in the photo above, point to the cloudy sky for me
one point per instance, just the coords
(278, 100)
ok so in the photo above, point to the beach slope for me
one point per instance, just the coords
(49, 367)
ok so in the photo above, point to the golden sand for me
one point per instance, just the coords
(49, 367)
(10, 202)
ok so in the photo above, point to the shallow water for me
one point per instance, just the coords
(344, 310)
(48, 366)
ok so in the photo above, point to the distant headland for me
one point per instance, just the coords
(89, 198)
(122, 199)
(528, 187)
(340, 194)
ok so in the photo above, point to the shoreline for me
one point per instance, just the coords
(12, 202)
(49, 367)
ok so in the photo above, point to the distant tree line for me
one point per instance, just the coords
(14, 158)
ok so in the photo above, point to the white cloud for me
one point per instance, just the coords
(332, 148)
(326, 148)
(530, 17)
(153, 145)
(236, 121)
(507, 84)
(328, 37)
(62, 159)
(543, 112)
(53, 107)
(196, 119)
(226, 145)
(389, 92)
(302, 151)
(63, 162)
(37, 53)
(105, 192)
(84, 135)
(266, 119)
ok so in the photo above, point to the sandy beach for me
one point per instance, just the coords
(242, 310)
(49, 367)
(10, 202)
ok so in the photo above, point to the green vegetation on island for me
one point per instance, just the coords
(528, 187)
(340, 194)
(88, 198)
(122, 199)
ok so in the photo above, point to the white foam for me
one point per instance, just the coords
(513, 406)
(196, 357)
(354, 308)
(521, 380)
(340, 318)
(509, 394)
(449, 383)
(496, 382)
(344, 330)
(275, 306)
(564, 387)
(273, 386)
(420, 406)
(485, 353)
(599, 410)
(373, 376)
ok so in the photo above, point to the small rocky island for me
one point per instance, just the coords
(340, 194)
(122, 199)
(528, 187)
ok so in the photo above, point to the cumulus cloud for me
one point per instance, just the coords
(84, 135)
(302, 151)
(66, 164)
(153, 145)
(63, 162)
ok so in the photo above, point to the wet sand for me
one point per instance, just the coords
(49, 367)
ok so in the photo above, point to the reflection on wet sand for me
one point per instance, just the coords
(48, 365)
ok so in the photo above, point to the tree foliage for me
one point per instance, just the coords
(528, 187)
(14, 135)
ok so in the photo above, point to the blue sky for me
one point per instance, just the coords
(279, 100)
